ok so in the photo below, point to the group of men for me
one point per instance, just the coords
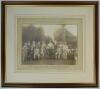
(41, 50)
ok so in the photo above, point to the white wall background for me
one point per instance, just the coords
(47, 0)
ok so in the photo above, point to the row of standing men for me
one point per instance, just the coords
(33, 51)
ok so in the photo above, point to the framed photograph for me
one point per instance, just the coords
(49, 44)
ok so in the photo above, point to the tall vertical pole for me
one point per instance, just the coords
(64, 33)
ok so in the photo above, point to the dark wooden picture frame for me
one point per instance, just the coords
(48, 85)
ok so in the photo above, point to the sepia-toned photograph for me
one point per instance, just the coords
(49, 44)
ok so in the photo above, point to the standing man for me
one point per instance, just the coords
(24, 52)
(29, 50)
(32, 49)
